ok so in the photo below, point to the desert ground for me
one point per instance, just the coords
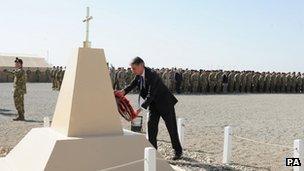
(266, 118)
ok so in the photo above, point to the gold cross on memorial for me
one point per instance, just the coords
(87, 43)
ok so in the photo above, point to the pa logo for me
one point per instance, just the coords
(293, 162)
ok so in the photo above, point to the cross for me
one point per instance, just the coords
(86, 43)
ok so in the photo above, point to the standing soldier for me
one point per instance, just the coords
(166, 78)
(302, 82)
(284, 83)
(121, 78)
(231, 82)
(53, 77)
(172, 79)
(272, 82)
(48, 75)
(219, 81)
(112, 76)
(261, 83)
(293, 82)
(243, 81)
(211, 80)
(299, 83)
(237, 82)
(19, 88)
(225, 82)
(58, 78)
(255, 82)
(37, 75)
(129, 76)
(194, 81)
(186, 81)
(248, 82)
(278, 82)
(204, 82)
(28, 75)
(267, 82)
(288, 82)
(178, 80)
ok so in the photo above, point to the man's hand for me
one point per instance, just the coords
(138, 111)
(121, 92)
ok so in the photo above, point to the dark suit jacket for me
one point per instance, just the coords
(155, 93)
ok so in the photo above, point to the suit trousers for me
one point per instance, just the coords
(168, 115)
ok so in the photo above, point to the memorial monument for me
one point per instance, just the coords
(86, 132)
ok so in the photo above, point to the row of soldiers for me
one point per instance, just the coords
(57, 74)
(218, 81)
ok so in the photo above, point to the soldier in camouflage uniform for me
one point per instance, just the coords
(237, 82)
(204, 82)
(293, 82)
(243, 81)
(219, 81)
(261, 82)
(299, 83)
(248, 82)
(172, 79)
(28, 74)
(212, 81)
(186, 81)
(37, 75)
(129, 76)
(272, 82)
(195, 81)
(231, 82)
(19, 88)
(255, 82)
(284, 83)
(267, 82)
(57, 76)
(121, 77)
(112, 76)
(278, 82)
(166, 78)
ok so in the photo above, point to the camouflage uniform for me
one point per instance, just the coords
(261, 82)
(255, 82)
(19, 90)
(231, 82)
(166, 78)
(212, 81)
(243, 82)
(57, 76)
(267, 82)
(37, 75)
(204, 82)
(248, 82)
(172, 79)
(219, 82)
(186, 81)
(194, 81)
(237, 82)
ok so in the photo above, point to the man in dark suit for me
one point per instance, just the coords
(158, 99)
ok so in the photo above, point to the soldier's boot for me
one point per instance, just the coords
(20, 116)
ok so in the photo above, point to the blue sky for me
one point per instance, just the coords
(264, 35)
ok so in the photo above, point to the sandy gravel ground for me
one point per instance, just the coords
(269, 118)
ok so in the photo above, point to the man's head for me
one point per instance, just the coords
(18, 63)
(137, 66)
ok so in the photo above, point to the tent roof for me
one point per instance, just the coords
(32, 62)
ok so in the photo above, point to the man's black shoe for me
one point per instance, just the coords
(19, 119)
(177, 156)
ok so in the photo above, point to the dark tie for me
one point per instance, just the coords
(141, 85)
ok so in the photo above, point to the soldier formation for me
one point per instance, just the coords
(218, 81)
(57, 74)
